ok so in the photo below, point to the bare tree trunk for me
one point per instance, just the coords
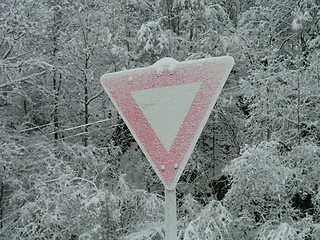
(56, 79)
(85, 86)
(86, 108)
(1, 202)
(171, 15)
(56, 107)
(298, 110)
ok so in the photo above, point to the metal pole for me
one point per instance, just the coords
(170, 215)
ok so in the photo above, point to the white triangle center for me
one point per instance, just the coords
(166, 108)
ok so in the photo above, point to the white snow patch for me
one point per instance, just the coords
(93, 200)
(296, 25)
(207, 12)
(167, 63)
(300, 20)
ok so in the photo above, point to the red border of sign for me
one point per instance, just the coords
(211, 73)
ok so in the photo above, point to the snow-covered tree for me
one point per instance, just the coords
(69, 167)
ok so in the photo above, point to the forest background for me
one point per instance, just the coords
(70, 169)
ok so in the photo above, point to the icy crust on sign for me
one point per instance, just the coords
(170, 64)
(131, 91)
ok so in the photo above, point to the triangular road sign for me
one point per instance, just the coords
(166, 106)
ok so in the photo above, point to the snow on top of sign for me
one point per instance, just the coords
(167, 63)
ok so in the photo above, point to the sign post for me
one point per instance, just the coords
(165, 107)
(170, 214)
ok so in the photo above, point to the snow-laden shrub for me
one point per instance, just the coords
(261, 183)
(189, 209)
(139, 211)
(70, 192)
(299, 230)
(274, 193)
(152, 231)
(306, 159)
(212, 223)
(56, 195)
(282, 231)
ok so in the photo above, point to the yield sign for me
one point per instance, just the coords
(166, 106)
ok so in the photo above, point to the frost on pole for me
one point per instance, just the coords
(166, 106)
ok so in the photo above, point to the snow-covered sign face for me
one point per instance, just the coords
(166, 106)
